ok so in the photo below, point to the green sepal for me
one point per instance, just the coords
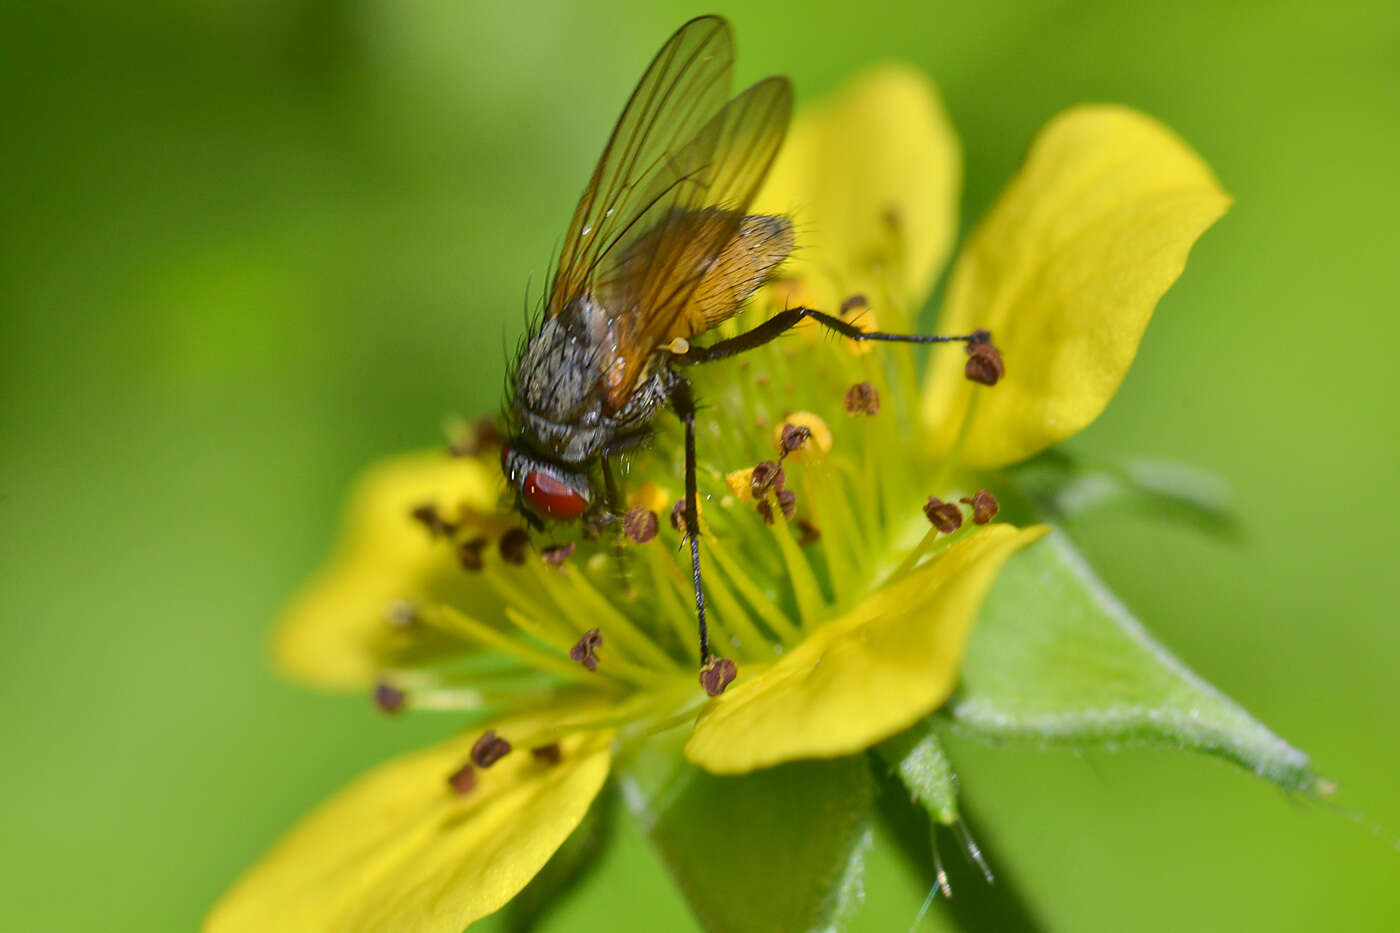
(917, 758)
(775, 850)
(1057, 658)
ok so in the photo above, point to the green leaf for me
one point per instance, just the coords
(775, 850)
(1055, 657)
(1063, 485)
(917, 757)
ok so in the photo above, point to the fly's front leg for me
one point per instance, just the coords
(612, 508)
(615, 512)
(715, 672)
(616, 503)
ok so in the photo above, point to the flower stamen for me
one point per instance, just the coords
(792, 437)
(717, 674)
(469, 554)
(402, 614)
(862, 399)
(489, 749)
(764, 477)
(463, 780)
(945, 516)
(585, 649)
(640, 524)
(787, 504)
(388, 698)
(427, 515)
(550, 754)
(984, 363)
(514, 545)
(984, 506)
(558, 554)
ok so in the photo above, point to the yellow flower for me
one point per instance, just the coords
(847, 613)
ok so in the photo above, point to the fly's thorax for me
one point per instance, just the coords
(560, 402)
(559, 376)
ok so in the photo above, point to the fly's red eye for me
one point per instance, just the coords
(552, 498)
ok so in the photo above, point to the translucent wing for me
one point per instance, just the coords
(694, 210)
(686, 83)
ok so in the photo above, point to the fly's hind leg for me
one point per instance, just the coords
(784, 321)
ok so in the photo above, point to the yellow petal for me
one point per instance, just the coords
(336, 632)
(881, 148)
(1065, 272)
(861, 678)
(398, 850)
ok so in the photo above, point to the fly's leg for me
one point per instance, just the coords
(616, 503)
(683, 403)
(784, 321)
(715, 672)
(617, 506)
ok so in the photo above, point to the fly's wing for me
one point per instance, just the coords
(695, 208)
(686, 83)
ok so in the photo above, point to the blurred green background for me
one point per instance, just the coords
(248, 247)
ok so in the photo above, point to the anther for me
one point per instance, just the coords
(807, 532)
(469, 554)
(945, 516)
(484, 434)
(855, 302)
(549, 754)
(489, 749)
(984, 506)
(463, 780)
(862, 399)
(402, 614)
(766, 476)
(678, 516)
(640, 524)
(593, 524)
(803, 436)
(489, 433)
(388, 698)
(514, 544)
(556, 556)
(984, 364)
(584, 650)
(787, 505)
(716, 674)
(792, 437)
(427, 515)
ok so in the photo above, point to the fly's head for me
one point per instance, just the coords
(546, 491)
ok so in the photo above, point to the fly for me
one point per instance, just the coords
(660, 251)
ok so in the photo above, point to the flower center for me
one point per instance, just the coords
(812, 492)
